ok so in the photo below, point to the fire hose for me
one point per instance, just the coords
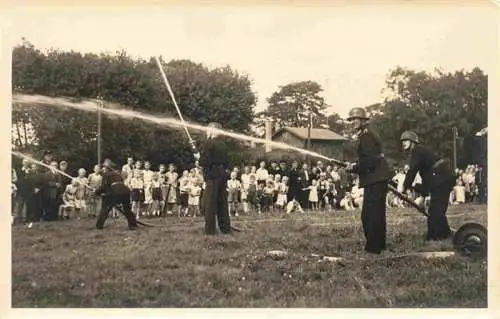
(469, 239)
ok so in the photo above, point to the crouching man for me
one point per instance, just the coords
(437, 181)
(114, 192)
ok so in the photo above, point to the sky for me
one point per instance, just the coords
(348, 50)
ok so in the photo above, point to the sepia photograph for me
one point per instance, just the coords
(330, 155)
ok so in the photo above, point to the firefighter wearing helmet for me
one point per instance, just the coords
(437, 181)
(374, 175)
(114, 192)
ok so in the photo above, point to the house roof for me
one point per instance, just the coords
(316, 133)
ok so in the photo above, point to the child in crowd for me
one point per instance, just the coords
(233, 189)
(357, 195)
(69, 200)
(147, 176)
(81, 194)
(262, 174)
(194, 197)
(245, 184)
(282, 194)
(252, 193)
(459, 193)
(162, 177)
(293, 206)
(156, 195)
(259, 198)
(172, 181)
(313, 195)
(184, 192)
(322, 189)
(347, 202)
(94, 181)
(330, 196)
(267, 197)
(276, 185)
(137, 192)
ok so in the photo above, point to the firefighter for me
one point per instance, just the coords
(437, 181)
(374, 175)
(215, 160)
(114, 192)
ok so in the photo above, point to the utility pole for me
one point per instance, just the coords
(455, 136)
(99, 106)
(309, 131)
(309, 127)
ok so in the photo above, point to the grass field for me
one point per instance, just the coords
(69, 264)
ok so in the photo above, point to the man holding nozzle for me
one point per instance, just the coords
(215, 161)
(374, 175)
(437, 180)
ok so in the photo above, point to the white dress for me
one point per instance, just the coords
(459, 194)
(313, 194)
(282, 195)
(148, 178)
(245, 183)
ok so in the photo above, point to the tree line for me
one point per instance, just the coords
(429, 103)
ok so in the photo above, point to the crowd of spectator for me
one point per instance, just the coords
(43, 193)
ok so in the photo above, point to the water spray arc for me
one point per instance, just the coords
(469, 237)
(167, 84)
(90, 106)
(29, 158)
(32, 160)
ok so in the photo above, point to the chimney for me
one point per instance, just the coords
(269, 134)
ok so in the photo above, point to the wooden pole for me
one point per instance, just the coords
(455, 135)
(99, 124)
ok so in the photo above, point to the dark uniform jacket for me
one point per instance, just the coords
(51, 184)
(22, 176)
(284, 170)
(215, 158)
(32, 180)
(434, 171)
(112, 184)
(294, 184)
(305, 178)
(372, 166)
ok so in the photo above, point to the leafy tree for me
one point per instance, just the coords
(431, 105)
(204, 95)
(292, 104)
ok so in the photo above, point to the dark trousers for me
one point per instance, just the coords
(108, 202)
(33, 207)
(51, 208)
(304, 198)
(437, 223)
(373, 217)
(215, 205)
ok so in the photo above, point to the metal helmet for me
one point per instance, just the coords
(357, 113)
(409, 136)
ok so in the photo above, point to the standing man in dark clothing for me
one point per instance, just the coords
(51, 191)
(305, 179)
(47, 159)
(114, 192)
(293, 182)
(284, 169)
(33, 184)
(437, 179)
(374, 174)
(215, 160)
